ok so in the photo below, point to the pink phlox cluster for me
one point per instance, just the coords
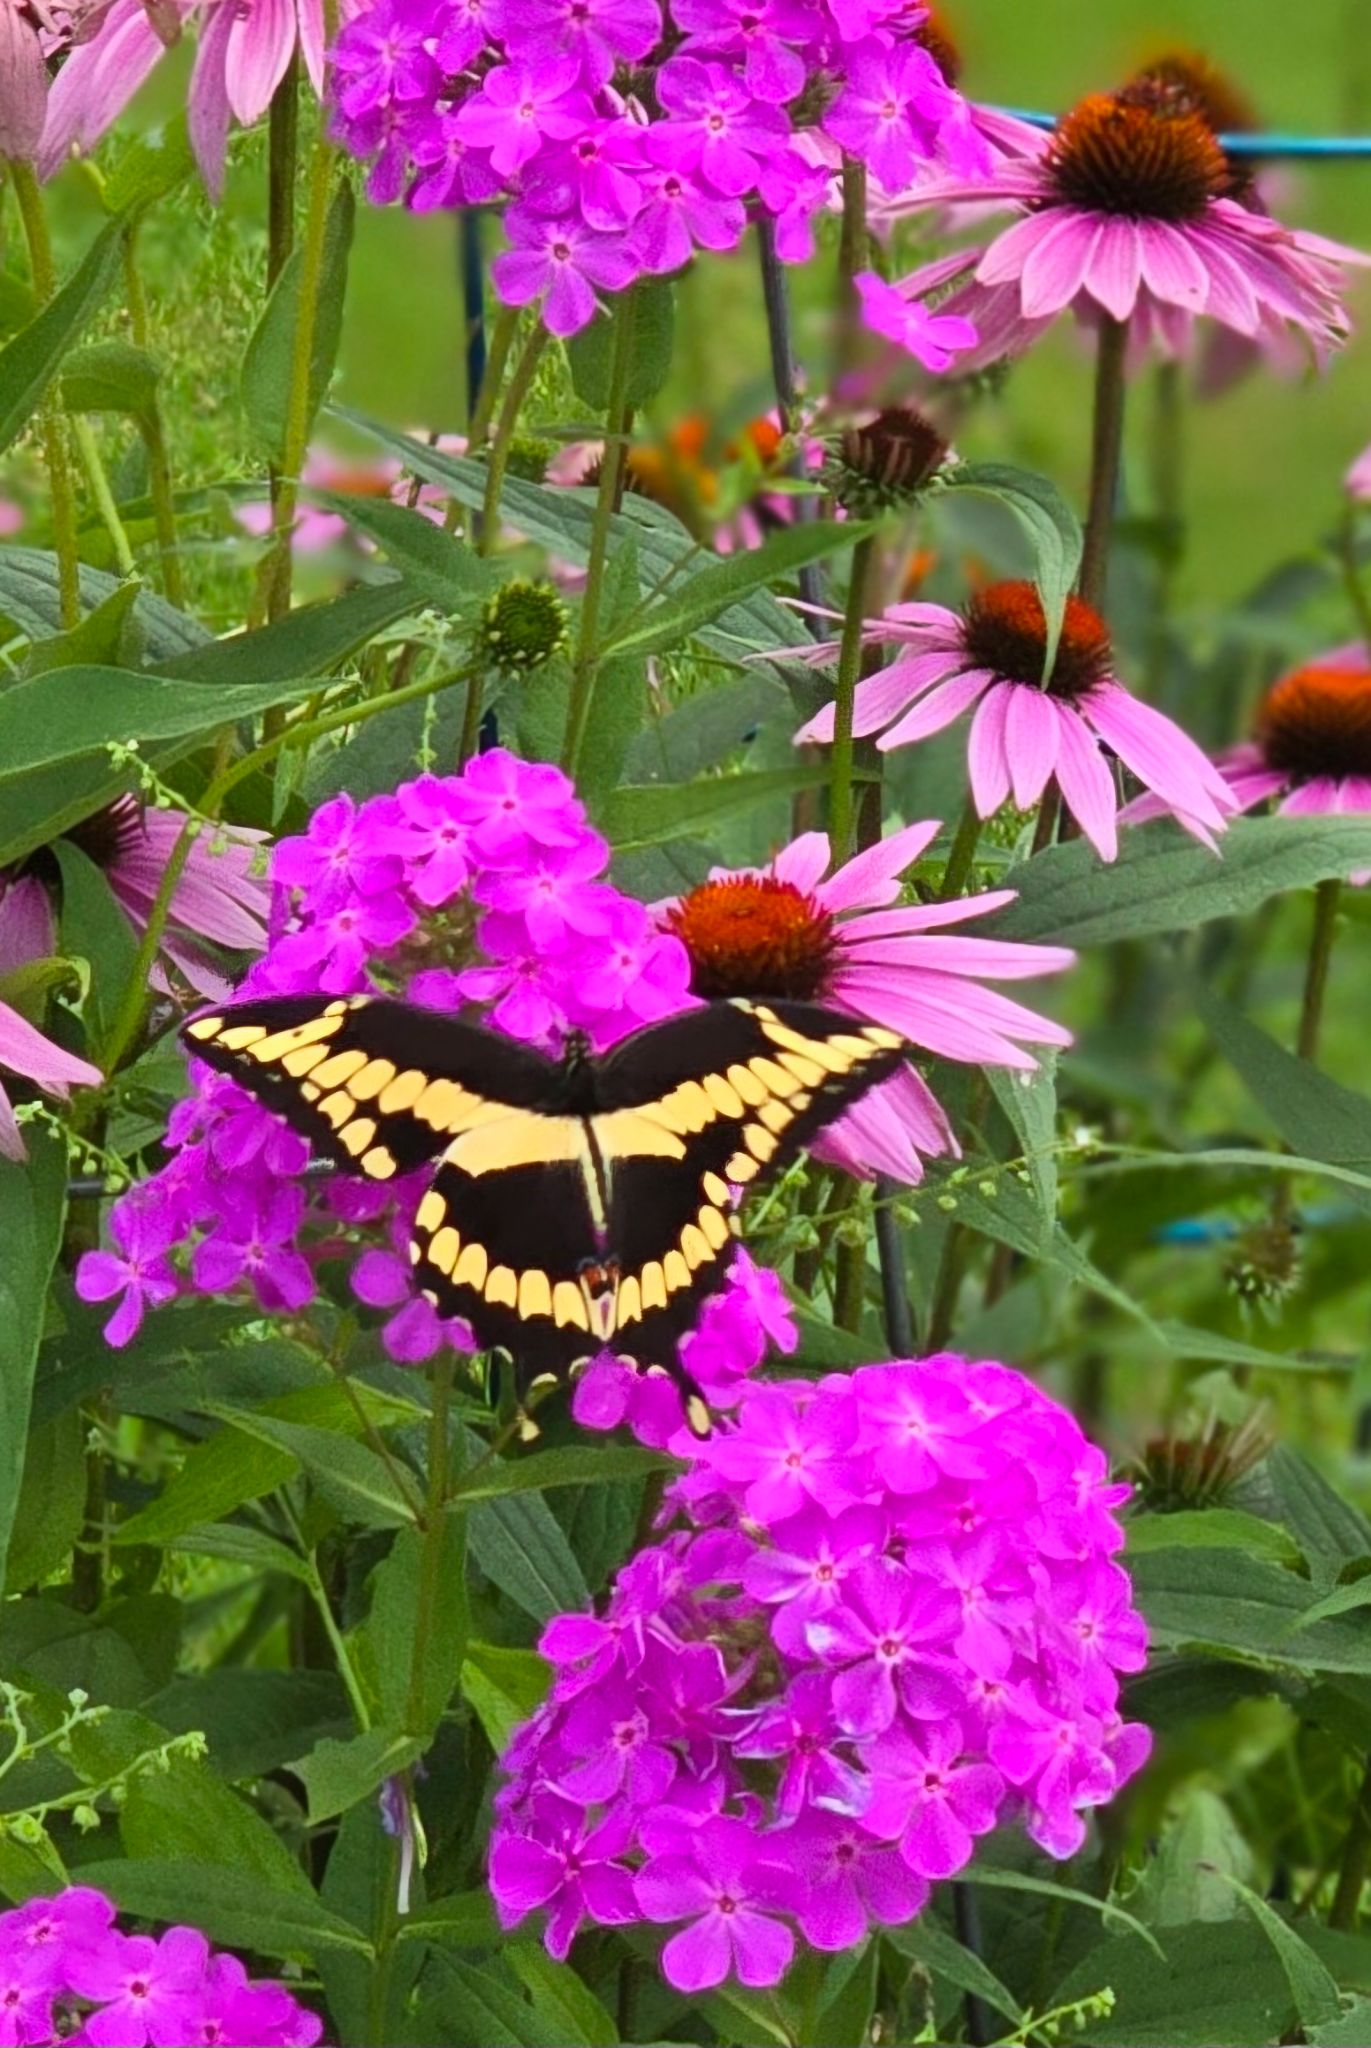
(484, 888)
(887, 1618)
(64, 1965)
(625, 135)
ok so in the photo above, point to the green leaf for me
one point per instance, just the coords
(111, 376)
(927, 1943)
(1311, 1984)
(1211, 1529)
(699, 598)
(268, 361)
(1210, 1347)
(32, 1209)
(503, 1687)
(519, 1544)
(30, 595)
(29, 363)
(1228, 1601)
(707, 729)
(350, 1476)
(402, 1608)
(96, 930)
(1053, 530)
(654, 813)
(445, 570)
(313, 640)
(590, 353)
(149, 167)
(52, 1502)
(338, 1775)
(1048, 1888)
(560, 1996)
(185, 1811)
(1332, 1531)
(574, 1465)
(227, 1905)
(1029, 1103)
(1163, 882)
(108, 637)
(464, 1919)
(1351, 2029)
(232, 1467)
(477, 2007)
(253, 1721)
(1315, 1115)
(237, 1543)
(1216, 1982)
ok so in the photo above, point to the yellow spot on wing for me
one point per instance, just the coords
(432, 1210)
(444, 1249)
(653, 1283)
(403, 1092)
(516, 1137)
(635, 1134)
(630, 1303)
(337, 1107)
(502, 1289)
(341, 1067)
(379, 1164)
(741, 1168)
(568, 1307)
(471, 1268)
(774, 1079)
(241, 1037)
(824, 1054)
(535, 1294)
(695, 1246)
(675, 1271)
(717, 1190)
(714, 1227)
(724, 1096)
(303, 1060)
(751, 1090)
(776, 1116)
(807, 1072)
(759, 1143)
(357, 1136)
(375, 1075)
(205, 1028)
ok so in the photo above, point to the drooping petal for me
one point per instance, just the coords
(1030, 743)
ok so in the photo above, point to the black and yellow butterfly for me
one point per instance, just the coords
(577, 1204)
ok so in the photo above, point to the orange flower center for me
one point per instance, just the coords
(1189, 83)
(1006, 631)
(1136, 153)
(752, 935)
(1318, 722)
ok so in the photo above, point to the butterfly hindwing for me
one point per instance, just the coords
(377, 1087)
(719, 1099)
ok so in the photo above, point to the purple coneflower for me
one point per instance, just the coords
(1311, 748)
(1127, 215)
(796, 930)
(244, 49)
(1026, 731)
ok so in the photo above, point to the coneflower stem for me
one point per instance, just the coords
(617, 417)
(1168, 504)
(1316, 971)
(962, 854)
(852, 256)
(492, 377)
(52, 420)
(776, 302)
(1352, 1866)
(1355, 589)
(152, 427)
(849, 1285)
(843, 757)
(1106, 446)
(525, 369)
(88, 448)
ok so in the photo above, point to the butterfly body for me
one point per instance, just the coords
(574, 1204)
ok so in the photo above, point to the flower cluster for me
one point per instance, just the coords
(479, 888)
(65, 1965)
(891, 1622)
(626, 135)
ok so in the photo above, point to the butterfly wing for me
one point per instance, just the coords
(721, 1097)
(377, 1087)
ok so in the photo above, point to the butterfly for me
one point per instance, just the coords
(576, 1204)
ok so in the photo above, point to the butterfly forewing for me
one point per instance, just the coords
(700, 1106)
(377, 1087)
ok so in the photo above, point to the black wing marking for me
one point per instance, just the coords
(720, 1098)
(377, 1087)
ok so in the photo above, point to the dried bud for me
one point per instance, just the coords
(885, 462)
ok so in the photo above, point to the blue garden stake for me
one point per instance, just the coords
(1327, 148)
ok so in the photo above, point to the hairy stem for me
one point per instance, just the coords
(300, 394)
(962, 853)
(1352, 1867)
(1106, 447)
(842, 759)
(52, 421)
(606, 504)
(88, 448)
(505, 428)
(1326, 899)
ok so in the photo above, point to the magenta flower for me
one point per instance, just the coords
(731, 1886)
(802, 1731)
(255, 1242)
(1311, 750)
(520, 106)
(571, 1871)
(988, 659)
(680, 211)
(138, 1271)
(802, 1574)
(1125, 213)
(718, 127)
(798, 931)
(26, 1052)
(792, 1454)
(931, 1799)
(597, 33)
(881, 1633)
(933, 339)
(149, 1988)
(562, 263)
(892, 104)
(855, 1882)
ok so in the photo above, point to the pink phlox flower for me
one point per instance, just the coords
(520, 105)
(887, 1621)
(731, 1885)
(998, 1610)
(557, 894)
(680, 210)
(1097, 1628)
(598, 174)
(511, 807)
(789, 1453)
(934, 339)
(716, 124)
(762, 32)
(599, 34)
(255, 1242)
(917, 1426)
(570, 1871)
(148, 1989)
(890, 109)
(802, 1730)
(1061, 1766)
(387, 53)
(427, 830)
(336, 859)
(610, 1733)
(138, 1270)
(332, 950)
(931, 1798)
(803, 1571)
(854, 1881)
(563, 263)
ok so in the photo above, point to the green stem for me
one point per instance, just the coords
(361, 1712)
(520, 382)
(1316, 972)
(606, 504)
(849, 1286)
(163, 504)
(88, 448)
(435, 1511)
(842, 759)
(61, 494)
(1355, 590)
(1168, 503)
(300, 392)
(1353, 1865)
(962, 854)
(501, 342)
(1106, 447)
(1049, 810)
